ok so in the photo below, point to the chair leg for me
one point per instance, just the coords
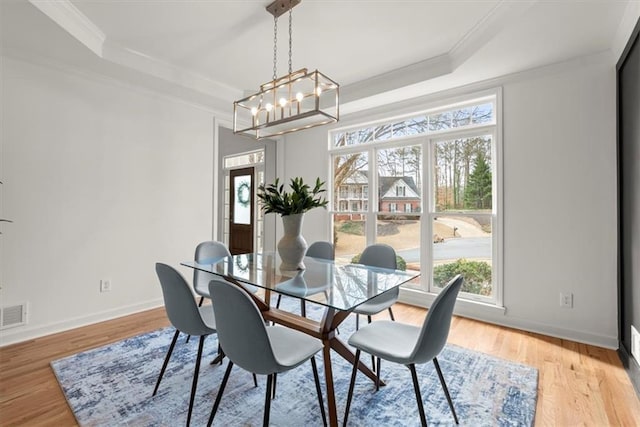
(446, 390)
(303, 308)
(416, 387)
(255, 380)
(194, 385)
(351, 384)
(219, 396)
(319, 390)
(373, 359)
(391, 314)
(166, 361)
(219, 357)
(267, 401)
(275, 380)
(357, 321)
(278, 302)
(378, 375)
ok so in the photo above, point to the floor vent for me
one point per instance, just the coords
(13, 315)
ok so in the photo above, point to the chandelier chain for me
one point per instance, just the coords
(290, 39)
(275, 47)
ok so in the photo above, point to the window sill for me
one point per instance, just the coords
(467, 308)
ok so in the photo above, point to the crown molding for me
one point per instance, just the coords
(67, 16)
(155, 67)
(72, 20)
(487, 28)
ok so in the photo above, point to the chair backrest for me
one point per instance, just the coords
(322, 250)
(204, 251)
(179, 303)
(241, 330)
(379, 255)
(437, 323)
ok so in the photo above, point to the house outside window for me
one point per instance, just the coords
(437, 179)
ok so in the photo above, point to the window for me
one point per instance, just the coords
(436, 176)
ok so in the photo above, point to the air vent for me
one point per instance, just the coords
(13, 315)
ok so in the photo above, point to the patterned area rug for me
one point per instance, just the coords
(112, 385)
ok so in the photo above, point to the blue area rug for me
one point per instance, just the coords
(112, 385)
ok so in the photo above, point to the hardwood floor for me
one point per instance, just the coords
(578, 385)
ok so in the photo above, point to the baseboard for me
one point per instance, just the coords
(631, 366)
(498, 316)
(20, 334)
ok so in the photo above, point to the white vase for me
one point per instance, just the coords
(292, 247)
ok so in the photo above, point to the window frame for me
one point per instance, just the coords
(427, 211)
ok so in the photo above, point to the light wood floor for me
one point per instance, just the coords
(579, 384)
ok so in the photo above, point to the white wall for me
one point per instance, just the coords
(559, 197)
(102, 181)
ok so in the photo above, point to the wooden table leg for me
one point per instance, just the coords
(328, 375)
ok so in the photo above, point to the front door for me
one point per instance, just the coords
(241, 218)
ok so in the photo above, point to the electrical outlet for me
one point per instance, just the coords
(566, 300)
(105, 285)
(635, 344)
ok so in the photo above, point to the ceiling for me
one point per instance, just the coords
(213, 51)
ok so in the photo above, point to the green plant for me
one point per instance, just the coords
(401, 264)
(477, 275)
(302, 198)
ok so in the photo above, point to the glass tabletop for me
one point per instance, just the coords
(330, 283)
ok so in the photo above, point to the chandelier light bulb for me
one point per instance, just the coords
(283, 102)
(299, 96)
(318, 90)
(269, 107)
(254, 111)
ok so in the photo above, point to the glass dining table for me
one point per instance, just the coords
(337, 286)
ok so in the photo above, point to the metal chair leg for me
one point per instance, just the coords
(357, 321)
(194, 385)
(219, 396)
(278, 302)
(446, 390)
(378, 375)
(303, 308)
(391, 314)
(267, 401)
(373, 359)
(219, 357)
(166, 361)
(351, 385)
(319, 390)
(275, 380)
(416, 387)
(255, 380)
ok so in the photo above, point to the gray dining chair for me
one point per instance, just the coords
(186, 317)
(321, 250)
(410, 345)
(255, 347)
(209, 250)
(382, 256)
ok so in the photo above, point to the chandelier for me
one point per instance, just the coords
(299, 100)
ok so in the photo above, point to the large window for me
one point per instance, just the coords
(436, 179)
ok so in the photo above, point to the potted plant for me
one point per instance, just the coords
(291, 206)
